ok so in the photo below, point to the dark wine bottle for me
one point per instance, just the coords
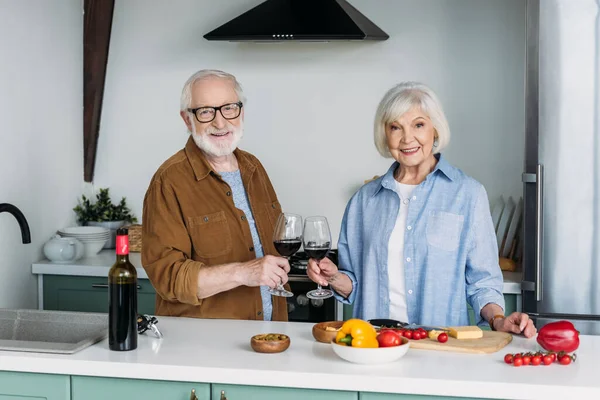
(122, 288)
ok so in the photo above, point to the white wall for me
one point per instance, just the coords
(311, 105)
(41, 90)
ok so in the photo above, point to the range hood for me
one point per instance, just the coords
(299, 20)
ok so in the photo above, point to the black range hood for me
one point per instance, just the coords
(299, 20)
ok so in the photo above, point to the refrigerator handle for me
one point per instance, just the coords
(539, 234)
(538, 179)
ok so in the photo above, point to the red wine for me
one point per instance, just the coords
(317, 253)
(287, 247)
(122, 316)
(122, 298)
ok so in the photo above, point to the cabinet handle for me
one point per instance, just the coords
(105, 286)
(223, 395)
(193, 395)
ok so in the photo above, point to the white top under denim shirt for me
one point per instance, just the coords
(449, 238)
(397, 286)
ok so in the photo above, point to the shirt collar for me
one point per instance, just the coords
(202, 167)
(388, 180)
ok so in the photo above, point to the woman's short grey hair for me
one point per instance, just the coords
(186, 93)
(400, 99)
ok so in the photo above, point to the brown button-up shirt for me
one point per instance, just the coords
(190, 222)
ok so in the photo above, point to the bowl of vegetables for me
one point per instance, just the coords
(358, 342)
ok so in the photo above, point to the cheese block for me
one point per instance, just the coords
(465, 332)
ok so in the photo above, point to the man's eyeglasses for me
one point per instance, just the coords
(207, 114)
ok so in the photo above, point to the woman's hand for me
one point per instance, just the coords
(321, 272)
(516, 322)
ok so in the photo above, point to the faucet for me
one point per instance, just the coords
(25, 234)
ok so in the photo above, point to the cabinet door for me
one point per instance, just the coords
(22, 386)
(240, 392)
(386, 396)
(91, 388)
(89, 294)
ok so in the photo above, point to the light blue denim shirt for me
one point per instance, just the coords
(450, 248)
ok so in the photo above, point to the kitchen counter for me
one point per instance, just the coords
(99, 266)
(218, 351)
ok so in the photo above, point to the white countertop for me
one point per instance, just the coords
(99, 266)
(218, 351)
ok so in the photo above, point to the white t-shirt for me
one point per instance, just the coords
(397, 287)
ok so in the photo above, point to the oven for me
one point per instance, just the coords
(300, 307)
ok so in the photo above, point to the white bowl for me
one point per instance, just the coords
(88, 239)
(84, 230)
(379, 355)
(91, 249)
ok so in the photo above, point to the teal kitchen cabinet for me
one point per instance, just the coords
(92, 388)
(385, 396)
(23, 386)
(89, 294)
(240, 392)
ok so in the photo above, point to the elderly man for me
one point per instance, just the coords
(209, 215)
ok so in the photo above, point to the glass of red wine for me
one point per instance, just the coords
(317, 243)
(287, 239)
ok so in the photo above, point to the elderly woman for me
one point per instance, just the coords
(418, 243)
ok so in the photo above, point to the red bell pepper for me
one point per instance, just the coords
(559, 336)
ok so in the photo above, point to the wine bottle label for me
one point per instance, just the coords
(122, 245)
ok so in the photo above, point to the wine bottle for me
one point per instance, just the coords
(122, 287)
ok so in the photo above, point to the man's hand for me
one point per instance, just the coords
(516, 323)
(267, 270)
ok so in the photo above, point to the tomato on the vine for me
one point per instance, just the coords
(517, 362)
(508, 358)
(443, 337)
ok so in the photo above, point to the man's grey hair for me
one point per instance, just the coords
(400, 99)
(186, 93)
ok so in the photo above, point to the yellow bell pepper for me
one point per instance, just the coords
(357, 333)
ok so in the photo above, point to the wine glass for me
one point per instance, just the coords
(317, 243)
(287, 239)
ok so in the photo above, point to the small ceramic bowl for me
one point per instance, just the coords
(380, 355)
(270, 342)
(325, 332)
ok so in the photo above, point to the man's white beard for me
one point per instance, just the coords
(218, 149)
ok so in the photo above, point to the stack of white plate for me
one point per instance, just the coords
(92, 237)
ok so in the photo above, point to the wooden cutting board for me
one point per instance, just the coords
(491, 342)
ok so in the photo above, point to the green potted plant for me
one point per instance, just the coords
(104, 213)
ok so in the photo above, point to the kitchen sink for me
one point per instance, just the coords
(43, 331)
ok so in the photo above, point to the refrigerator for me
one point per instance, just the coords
(561, 179)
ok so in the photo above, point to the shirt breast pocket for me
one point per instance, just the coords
(444, 230)
(210, 235)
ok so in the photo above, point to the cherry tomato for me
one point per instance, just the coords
(526, 360)
(443, 337)
(536, 360)
(422, 332)
(408, 334)
(388, 338)
(565, 360)
(553, 355)
(547, 360)
(508, 358)
(517, 362)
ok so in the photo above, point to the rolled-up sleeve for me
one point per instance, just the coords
(345, 260)
(484, 280)
(166, 250)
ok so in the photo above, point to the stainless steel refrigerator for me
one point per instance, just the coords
(561, 229)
